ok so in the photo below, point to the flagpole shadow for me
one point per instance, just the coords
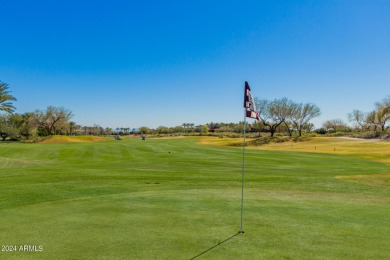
(220, 243)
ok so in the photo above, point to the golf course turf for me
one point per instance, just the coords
(177, 198)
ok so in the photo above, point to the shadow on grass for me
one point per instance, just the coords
(220, 243)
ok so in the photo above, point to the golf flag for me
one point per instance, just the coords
(249, 103)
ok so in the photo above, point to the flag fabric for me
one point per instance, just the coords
(249, 103)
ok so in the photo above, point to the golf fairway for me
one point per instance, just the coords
(176, 198)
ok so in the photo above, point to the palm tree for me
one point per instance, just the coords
(5, 98)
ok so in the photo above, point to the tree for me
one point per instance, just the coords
(189, 127)
(301, 114)
(96, 130)
(335, 125)
(28, 125)
(359, 118)
(273, 113)
(205, 129)
(52, 119)
(385, 103)
(386, 110)
(383, 113)
(6, 98)
(24, 123)
(162, 130)
(308, 128)
(378, 118)
(108, 131)
(8, 127)
(144, 130)
(287, 126)
(374, 120)
(72, 127)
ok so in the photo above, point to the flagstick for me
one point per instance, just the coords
(243, 170)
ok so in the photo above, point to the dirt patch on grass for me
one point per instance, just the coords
(72, 139)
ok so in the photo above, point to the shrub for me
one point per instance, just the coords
(234, 135)
(267, 140)
(321, 131)
(301, 138)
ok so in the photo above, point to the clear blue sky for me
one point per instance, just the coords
(150, 63)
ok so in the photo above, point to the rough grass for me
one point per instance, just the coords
(376, 150)
(174, 199)
(368, 149)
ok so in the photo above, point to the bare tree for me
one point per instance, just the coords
(301, 114)
(378, 118)
(359, 118)
(52, 118)
(385, 103)
(382, 116)
(273, 113)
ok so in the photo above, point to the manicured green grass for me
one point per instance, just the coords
(175, 198)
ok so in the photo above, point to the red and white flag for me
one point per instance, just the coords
(249, 103)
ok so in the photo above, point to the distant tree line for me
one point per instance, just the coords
(282, 116)
(372, 124)
(377, 120)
